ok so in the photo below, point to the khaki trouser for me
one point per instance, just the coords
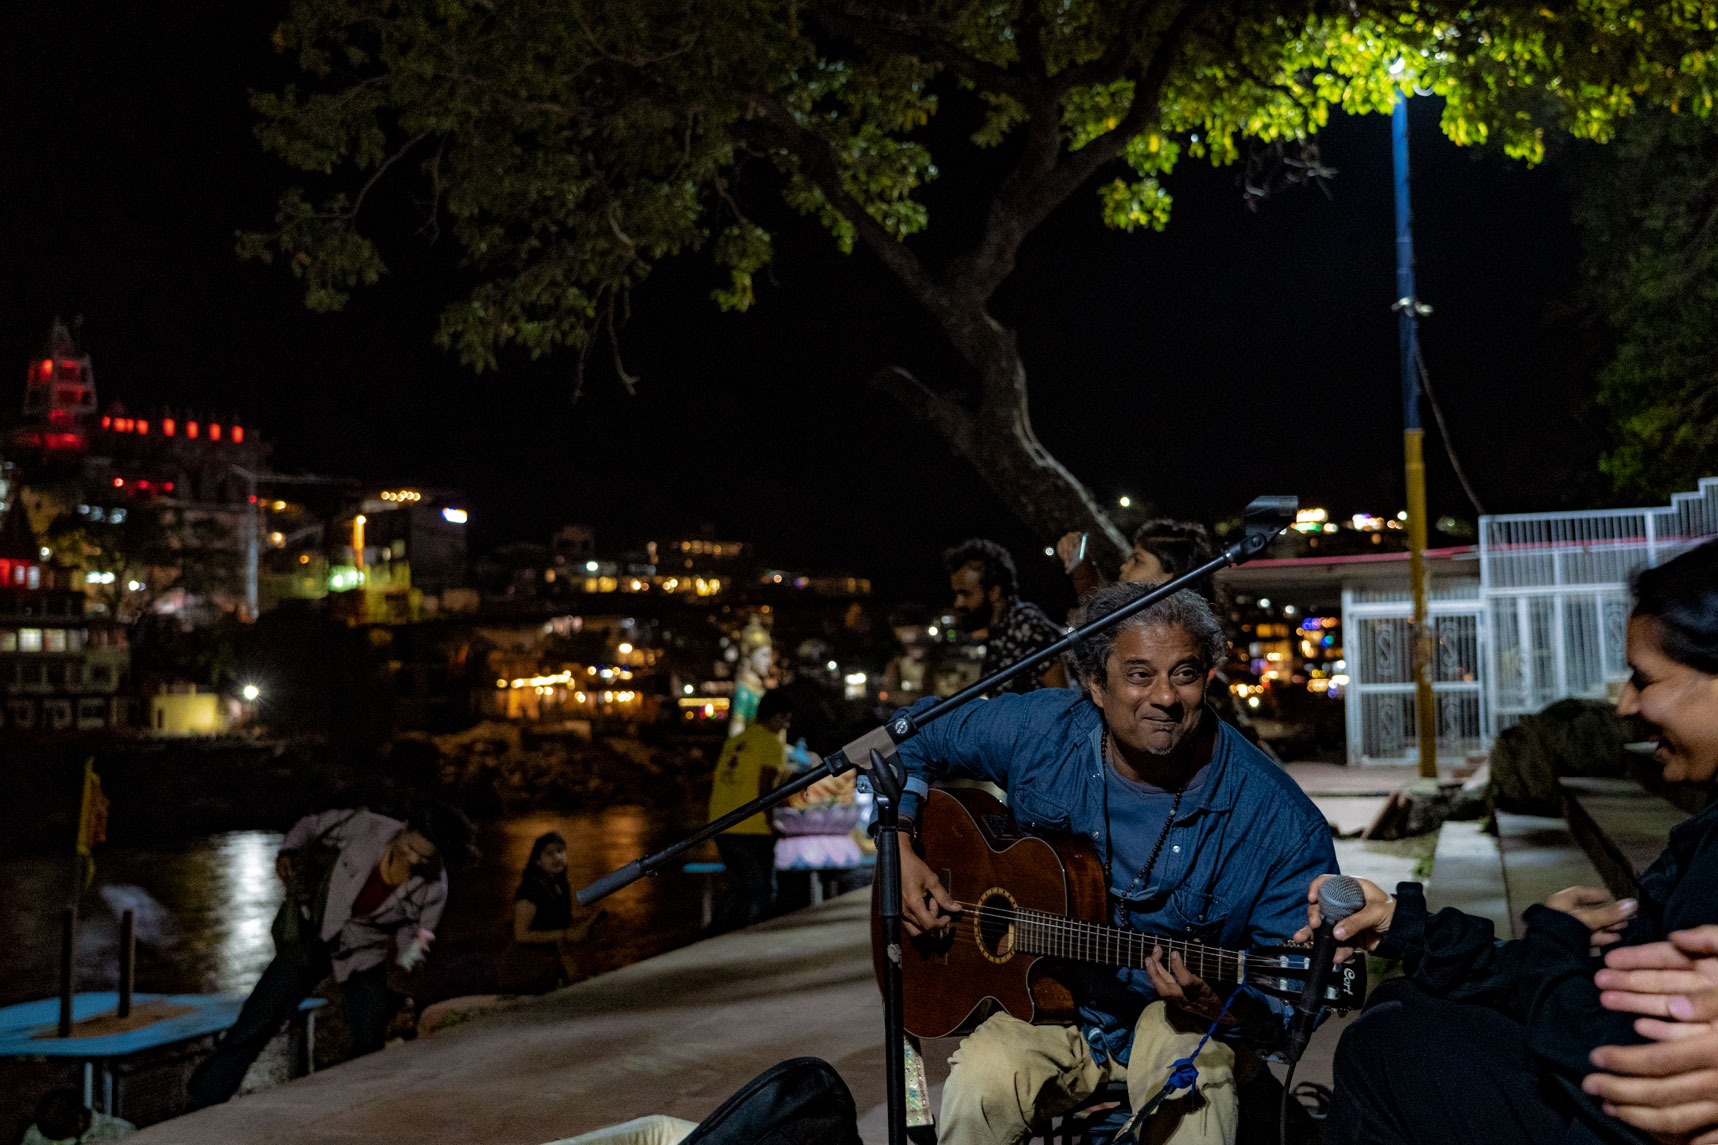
(1010, 1077)
(656, 1129)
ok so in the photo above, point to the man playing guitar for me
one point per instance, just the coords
(1201, 836)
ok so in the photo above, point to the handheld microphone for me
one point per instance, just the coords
(1338, 897)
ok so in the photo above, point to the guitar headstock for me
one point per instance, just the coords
(1281, 971)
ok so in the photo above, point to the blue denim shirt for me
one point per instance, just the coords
(1234, 869)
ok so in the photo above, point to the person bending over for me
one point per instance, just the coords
(1492, 1041)
(358, 884)
(1201, 838)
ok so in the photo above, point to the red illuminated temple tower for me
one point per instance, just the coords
(59, 398)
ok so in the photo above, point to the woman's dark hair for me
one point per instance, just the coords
(61, 1114)
(448, 829)
(544, 842)
(1179, 546)
(773, 703)
(1682, 595)
(995, 565)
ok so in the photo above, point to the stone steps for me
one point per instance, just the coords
(1620, 825)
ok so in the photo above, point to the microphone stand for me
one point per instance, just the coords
(874, 753)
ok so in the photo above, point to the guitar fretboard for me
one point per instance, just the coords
(1039, 932)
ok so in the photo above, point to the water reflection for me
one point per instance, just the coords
(205, 908)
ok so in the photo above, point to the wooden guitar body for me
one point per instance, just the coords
(947, 981)
(1033, 908)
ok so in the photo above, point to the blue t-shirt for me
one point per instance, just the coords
(1137, 812)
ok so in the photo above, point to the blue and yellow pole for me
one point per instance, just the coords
(1413, 440)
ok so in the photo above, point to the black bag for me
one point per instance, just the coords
(297, 927)
(802, 1101)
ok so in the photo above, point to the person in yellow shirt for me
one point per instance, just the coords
(747, 768)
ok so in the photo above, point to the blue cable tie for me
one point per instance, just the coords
(1183, 1074)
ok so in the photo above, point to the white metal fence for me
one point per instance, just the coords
(1378, 643)
(1555, 591)
(1544, 620)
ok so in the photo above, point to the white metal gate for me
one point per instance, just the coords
(1378, 643)
(1555, 592)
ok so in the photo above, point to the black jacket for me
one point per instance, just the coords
(1545, 979)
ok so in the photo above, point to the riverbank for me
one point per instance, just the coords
(167, 791)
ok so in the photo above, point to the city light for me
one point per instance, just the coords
(686, 689)
(454, 516)
(250, 692)
(402, 495)
(624, 649)
(590, 566)
(1125, 502)
(832, 666)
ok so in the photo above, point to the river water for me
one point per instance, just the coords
(204, 908)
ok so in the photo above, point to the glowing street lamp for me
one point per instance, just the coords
(250, 692)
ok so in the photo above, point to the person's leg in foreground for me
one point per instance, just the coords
(1414, 1068)
(271, 1004)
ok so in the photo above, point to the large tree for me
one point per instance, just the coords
(568, 146)
(1648, 211)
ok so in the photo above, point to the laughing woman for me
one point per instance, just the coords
(1489, 1041)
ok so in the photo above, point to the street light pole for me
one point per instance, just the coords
(253, 541)
(1408, 310)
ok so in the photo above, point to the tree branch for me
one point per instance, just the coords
(1113, 63)
(953, 421)
(818, 161)
(981, 72)
(1044, 179)
(381, 170)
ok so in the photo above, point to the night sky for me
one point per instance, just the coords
(1236, 353)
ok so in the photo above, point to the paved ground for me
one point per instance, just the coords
(678, 1033)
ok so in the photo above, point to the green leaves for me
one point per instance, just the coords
(563, 148)
(1648, 212)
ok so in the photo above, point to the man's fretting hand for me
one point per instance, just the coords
(1180, 987)
(926, 907)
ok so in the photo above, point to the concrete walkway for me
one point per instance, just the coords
(674, 1034)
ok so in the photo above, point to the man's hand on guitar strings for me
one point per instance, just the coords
(926, 907)
(1180, 987)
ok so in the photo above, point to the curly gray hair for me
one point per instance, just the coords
(1186, 610)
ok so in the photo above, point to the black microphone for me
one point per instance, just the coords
(1338, 897)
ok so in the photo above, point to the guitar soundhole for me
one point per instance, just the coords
(994, 924)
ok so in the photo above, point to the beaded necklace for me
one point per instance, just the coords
(1109, 847)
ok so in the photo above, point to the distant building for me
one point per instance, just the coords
(196, 471)
(59, 669)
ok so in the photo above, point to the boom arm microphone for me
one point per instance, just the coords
(1338, 897)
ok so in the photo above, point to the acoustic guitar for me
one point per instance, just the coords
(1032, 907)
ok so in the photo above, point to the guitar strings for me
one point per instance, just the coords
(1096, 936)
(1223, 971)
